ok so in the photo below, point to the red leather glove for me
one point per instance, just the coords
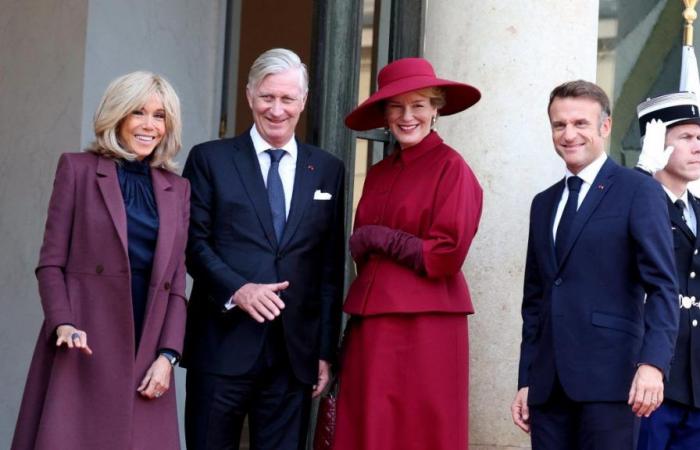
(404, 248)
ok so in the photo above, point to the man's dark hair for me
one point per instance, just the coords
(582, 88)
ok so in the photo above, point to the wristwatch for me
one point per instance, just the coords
(172, 357)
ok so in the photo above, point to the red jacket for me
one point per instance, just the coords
(427, 190)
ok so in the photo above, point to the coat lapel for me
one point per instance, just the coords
(304, 183)
(168, 220)
(108, 184)
(600, 187)
(246, 161)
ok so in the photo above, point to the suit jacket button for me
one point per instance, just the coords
(695, 252)
(558, 282)
(692, 274)
(99, 269)
(695, 323)
(166, 286)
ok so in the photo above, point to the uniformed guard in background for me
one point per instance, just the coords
(670, 128)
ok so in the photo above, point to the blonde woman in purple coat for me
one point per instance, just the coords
(112, 283)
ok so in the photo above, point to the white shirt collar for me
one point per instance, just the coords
(261, 144)
(673, 197)
(589, 172)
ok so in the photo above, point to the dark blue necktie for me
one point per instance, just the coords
(680, 204)
(567, 217)
(275, 193)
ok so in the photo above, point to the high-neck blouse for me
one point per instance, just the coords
(142, 231)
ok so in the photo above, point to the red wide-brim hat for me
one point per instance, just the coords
(407, 75)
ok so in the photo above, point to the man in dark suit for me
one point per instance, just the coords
(599, 243)
(670, 128)
(266, 251)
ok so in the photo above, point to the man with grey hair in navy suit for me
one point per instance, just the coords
(266, 252)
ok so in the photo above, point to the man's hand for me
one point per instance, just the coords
(520, 411)
(647, 391)
(261, 301)
(324, 375)
(655, 154)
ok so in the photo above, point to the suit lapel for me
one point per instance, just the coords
(677, 218)
(600, 187)
(696, 209)
(246, 161)
(552, 204)
(304, 183)
(108, 184)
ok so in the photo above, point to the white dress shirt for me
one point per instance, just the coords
(288, 163)
(688, 212)
(588, 175)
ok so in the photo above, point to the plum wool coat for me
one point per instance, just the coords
(75, 401)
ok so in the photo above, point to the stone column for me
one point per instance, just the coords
(515, 53)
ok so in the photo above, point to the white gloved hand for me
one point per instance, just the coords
(654, 156)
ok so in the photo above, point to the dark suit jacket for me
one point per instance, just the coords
(683, 385)
(586, 319)
(232, 242)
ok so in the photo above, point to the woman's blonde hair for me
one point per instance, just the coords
(435, 94)
(129, 93)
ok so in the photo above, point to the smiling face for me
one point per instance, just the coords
(143, 129)
(277, 103)
(578, 133)
(409, 117)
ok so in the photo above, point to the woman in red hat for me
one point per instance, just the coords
(404, 377)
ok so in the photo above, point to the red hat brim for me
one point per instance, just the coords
(370, 114)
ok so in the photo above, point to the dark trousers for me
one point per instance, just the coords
(563, 424)
(276, 403)
(671, 427)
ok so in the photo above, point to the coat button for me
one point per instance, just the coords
(166, 286)
(692, 274)
(695, 323)
(558, 282)
(99, 269)
(695, 252)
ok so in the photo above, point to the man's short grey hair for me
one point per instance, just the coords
(274, 61)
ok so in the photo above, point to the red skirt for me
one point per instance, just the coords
(404, 383)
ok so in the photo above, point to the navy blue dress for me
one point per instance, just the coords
(142, 232)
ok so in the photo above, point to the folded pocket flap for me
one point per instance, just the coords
(605, 320)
